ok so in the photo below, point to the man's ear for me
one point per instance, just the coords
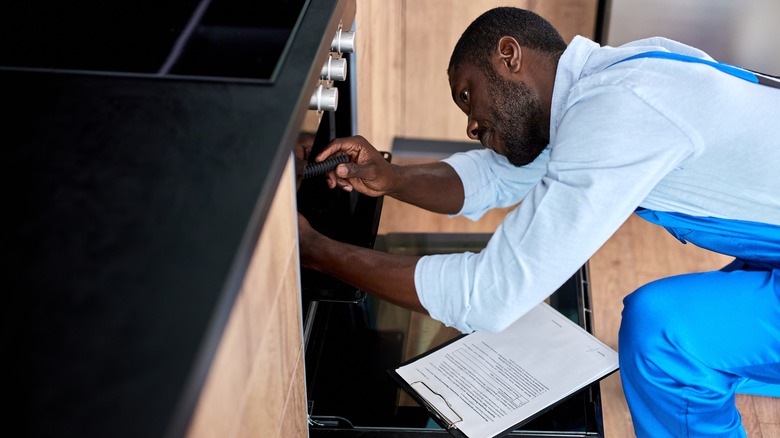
(510, 54)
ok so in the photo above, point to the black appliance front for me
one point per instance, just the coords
(352, 339)
(345, 216)
(351, 345)
(222, 39)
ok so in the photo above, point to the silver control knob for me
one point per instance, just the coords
(343, 42)
(335, 69)
(324, 99)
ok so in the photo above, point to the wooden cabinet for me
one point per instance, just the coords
(255, 386)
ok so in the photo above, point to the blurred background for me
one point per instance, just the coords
(739, 32)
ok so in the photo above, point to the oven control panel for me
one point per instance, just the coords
(325, 96)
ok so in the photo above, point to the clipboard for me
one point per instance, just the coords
(448, 421)
(566, 339)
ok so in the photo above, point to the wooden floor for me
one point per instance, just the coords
(638, 253)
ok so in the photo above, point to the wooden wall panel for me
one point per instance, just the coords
(570, 17)
(272, 391)
(223, 391)
(378, 48)
(403, 48)
(432, 29)
(256, 384)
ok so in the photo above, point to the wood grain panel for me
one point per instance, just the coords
(274, 314)
(750, 421)
(379, 30)
(570, 17)
(222, 395)
(295, 423)
(265, 277)
(266, 390)
(273, 399)
(255, 386)
(402, 57)
(767, 410)
(427, 108)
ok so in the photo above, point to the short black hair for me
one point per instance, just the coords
(480, 39)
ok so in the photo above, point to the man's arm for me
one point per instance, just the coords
(433, 186)
(386, 276)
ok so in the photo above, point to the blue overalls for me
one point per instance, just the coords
(689, 343)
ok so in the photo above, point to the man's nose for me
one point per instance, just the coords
(472, 129)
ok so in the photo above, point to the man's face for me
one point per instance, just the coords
(516, 117)
(506, 116)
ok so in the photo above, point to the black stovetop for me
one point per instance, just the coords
(133, 205)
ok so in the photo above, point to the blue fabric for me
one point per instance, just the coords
(726, 68)
(689, 343)
(754, 243)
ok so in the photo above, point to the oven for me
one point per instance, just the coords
(351, 339)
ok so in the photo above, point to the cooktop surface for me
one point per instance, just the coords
(206, 39)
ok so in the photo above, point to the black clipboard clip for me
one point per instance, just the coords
(448, 421)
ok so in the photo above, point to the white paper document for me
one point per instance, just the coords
(487, 384)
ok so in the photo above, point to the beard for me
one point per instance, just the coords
(517, 120)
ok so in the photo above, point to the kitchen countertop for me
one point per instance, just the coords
(135, 202)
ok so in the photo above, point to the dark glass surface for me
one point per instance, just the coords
(226, 38)
(135, 209)
(351, 346)
(344, 216)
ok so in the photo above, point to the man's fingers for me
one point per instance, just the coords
(346, 170)
(344, 185)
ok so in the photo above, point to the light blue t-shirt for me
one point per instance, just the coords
(654, 133)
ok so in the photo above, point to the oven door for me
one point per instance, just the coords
(351, 345)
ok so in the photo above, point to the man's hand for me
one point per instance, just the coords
(434, 186)
(367, 172)
(301, 153)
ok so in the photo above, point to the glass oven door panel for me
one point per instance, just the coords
(352, 345)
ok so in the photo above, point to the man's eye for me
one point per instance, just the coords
(464, 96)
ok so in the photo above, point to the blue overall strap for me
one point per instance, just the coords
(755, 243)
(742, 73)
